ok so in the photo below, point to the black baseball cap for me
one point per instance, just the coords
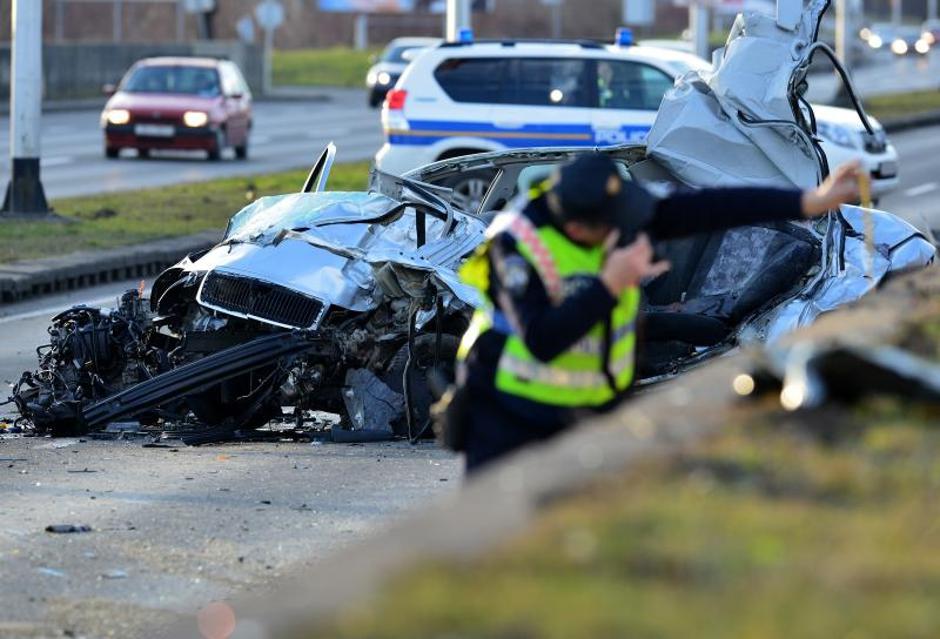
(590, 189)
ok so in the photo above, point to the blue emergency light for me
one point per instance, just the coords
(624, 37)
(465, 36)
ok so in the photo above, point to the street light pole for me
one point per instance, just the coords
(458, 17)
(698, 25)
(842, 32)
(24, 193)
(896, 12)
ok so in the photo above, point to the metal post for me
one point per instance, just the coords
(556, 19)
(180, 21)
(896, 11)
(25, 194)
(59, 21)
(931, 9)
(698, 25)
(842, 32)
(117, 21)
(361, 32)
(268, 48)
(458, 17)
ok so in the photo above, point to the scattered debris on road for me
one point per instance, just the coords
(67, 528)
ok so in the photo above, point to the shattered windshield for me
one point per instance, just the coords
(261, 220)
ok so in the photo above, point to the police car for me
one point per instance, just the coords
(469, 97)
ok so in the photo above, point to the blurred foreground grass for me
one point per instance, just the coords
(338, 66)
(901, 104)
(130, 217)
(786, 525)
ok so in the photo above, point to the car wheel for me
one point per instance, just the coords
(111, 152)
(375, 99)
(143, 154)
(421, 394)
(215, 153)
(470, 188)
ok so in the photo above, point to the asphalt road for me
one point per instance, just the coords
(883, 73)
(287, 135)
(917, 198)
(174, 529)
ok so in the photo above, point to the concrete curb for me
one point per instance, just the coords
(904, 123)
(502, 502)
(32, 278)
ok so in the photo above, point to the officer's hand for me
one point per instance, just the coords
(841, 187)
(628, 266)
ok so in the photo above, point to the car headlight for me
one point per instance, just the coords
(371, 77)
(899, 47)
(875, 41)
(384, 78)
(922, 46)
(928, 37)
(118, 116)
(195, 118)
(840, 135)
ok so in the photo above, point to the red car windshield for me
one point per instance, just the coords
(199, 81)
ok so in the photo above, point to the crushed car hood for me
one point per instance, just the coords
(340, 248)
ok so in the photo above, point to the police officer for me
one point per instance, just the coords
(556, 337)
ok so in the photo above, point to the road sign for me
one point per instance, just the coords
(270, 14)
(199, 6)
(245, 27)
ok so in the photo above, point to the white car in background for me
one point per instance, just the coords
(461, 98)
(388, 67)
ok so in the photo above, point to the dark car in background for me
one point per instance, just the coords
(179, 103)
(389, 66)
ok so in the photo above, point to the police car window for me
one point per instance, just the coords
(471, 79)
(630, 85)
(534, 175)
(550, 82)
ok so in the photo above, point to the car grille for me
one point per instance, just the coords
(875, 142)
(260, 300)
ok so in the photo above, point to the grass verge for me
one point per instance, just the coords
(786, 525)
(131, 217)
(902, 104)
(338, 66)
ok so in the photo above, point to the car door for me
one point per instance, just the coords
(237, 103)
(546, 102)
(628, 96)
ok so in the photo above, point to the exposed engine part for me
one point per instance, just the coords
(91, 354)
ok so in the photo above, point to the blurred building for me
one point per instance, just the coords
(107, 21)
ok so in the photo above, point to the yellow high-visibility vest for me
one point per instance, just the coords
(576, 377)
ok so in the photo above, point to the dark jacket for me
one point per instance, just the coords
(547, 330)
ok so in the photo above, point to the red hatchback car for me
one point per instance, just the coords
(179, 103)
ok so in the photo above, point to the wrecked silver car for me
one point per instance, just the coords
(343, 302)
(326, 301)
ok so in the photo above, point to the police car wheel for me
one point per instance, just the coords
(470, 188)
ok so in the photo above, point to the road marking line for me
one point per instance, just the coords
(921, 190)
(56, 161)
(53, 310)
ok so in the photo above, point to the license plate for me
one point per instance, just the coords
(888, 169)
(155, 130)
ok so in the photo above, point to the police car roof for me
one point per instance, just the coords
(588, 48)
